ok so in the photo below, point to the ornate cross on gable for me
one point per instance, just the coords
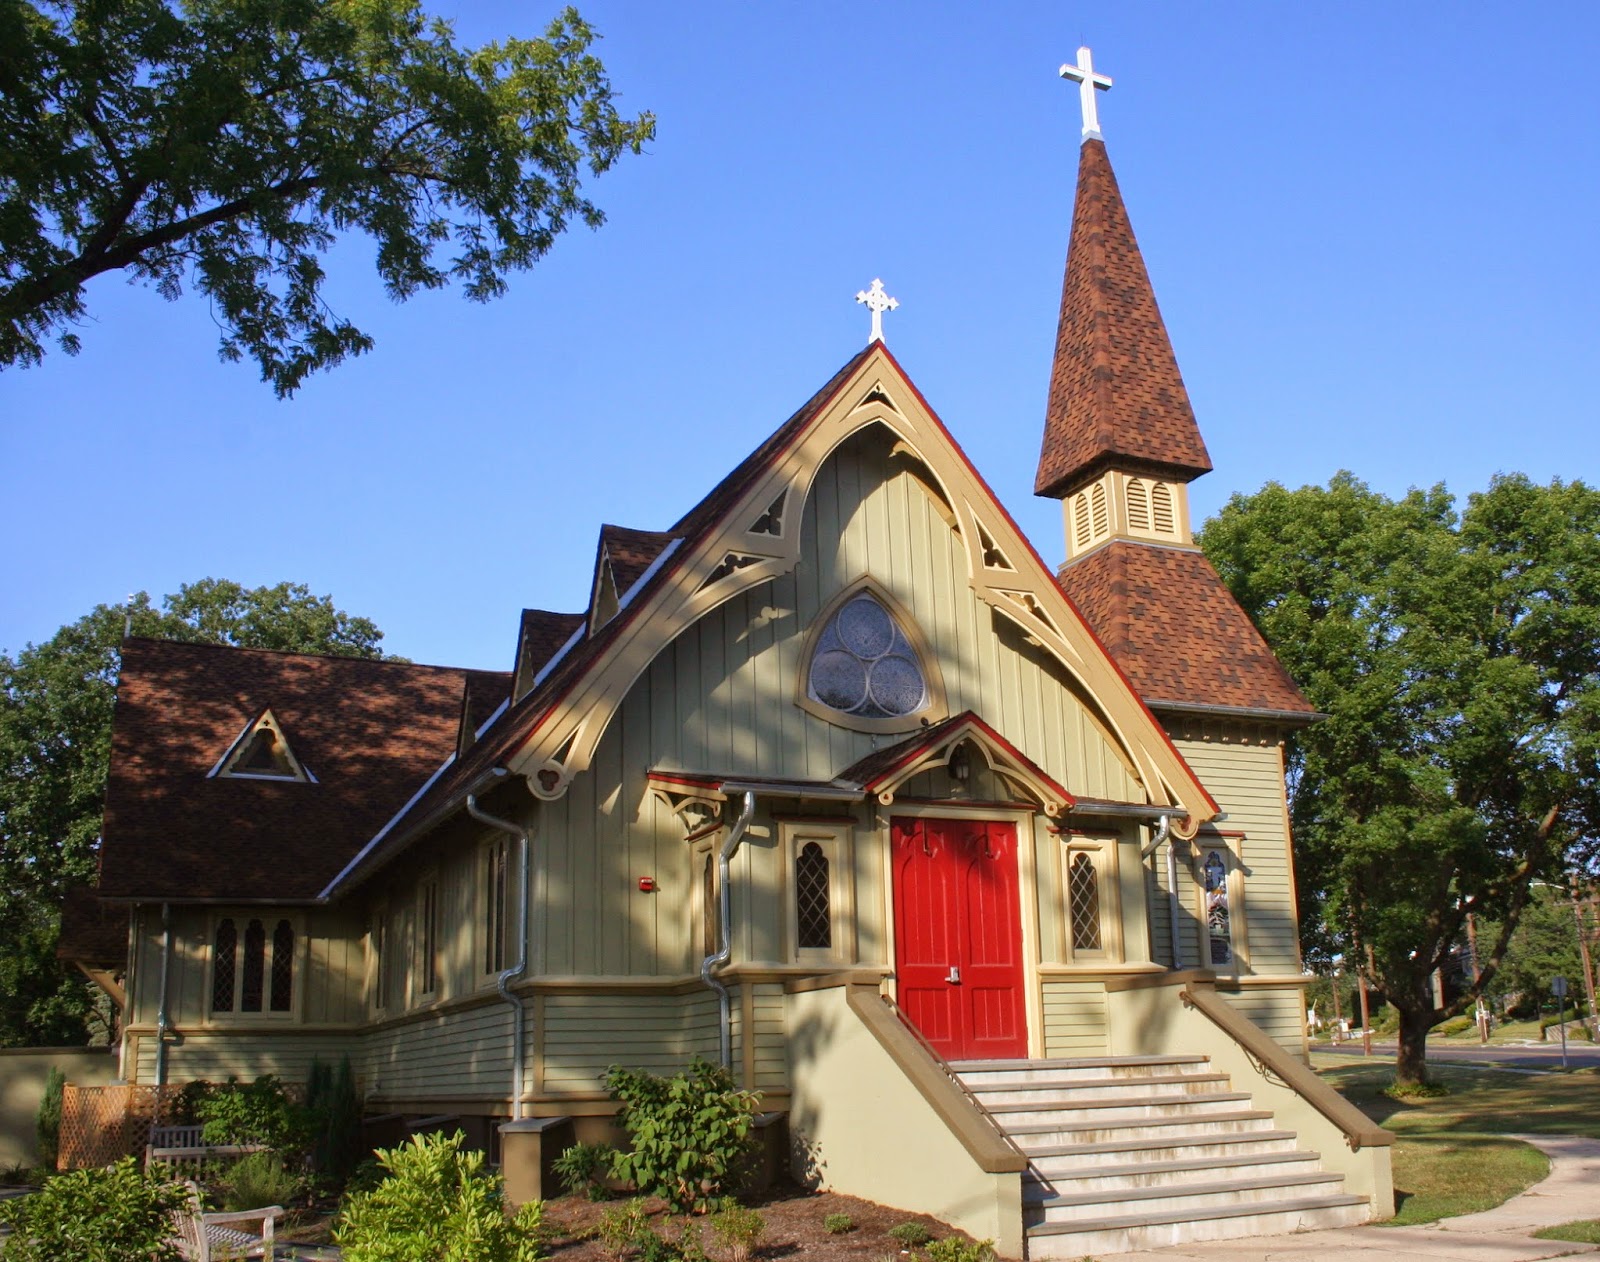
(877, 302)
(1088, 81)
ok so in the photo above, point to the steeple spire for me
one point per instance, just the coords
(1117, 399)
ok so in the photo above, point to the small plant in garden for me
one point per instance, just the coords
(582, 1168)
(260, 1112)
(955, 1249)
(736, 1231)
(689, 1133)
(436, 1202)
(334, 1109)
(911, 1235)
(838, 1224)
(689, 1246)
(621, 1227)
(1416, 1091)
(256, 1181)
(47, 1126)
(118, 1212)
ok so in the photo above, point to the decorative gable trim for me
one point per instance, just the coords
(883, 772)
(259, 746)
(699, 580)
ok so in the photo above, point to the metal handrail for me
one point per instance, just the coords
(949, 1072)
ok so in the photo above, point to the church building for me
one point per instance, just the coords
(976, 869)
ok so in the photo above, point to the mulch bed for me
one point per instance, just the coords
(793, 1220)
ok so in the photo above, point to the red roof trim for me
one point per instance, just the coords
(951, 730)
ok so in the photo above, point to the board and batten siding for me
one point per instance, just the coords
(582, 1036)
(720, 698)
(1243, 769)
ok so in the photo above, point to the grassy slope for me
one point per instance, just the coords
(1448, 1157)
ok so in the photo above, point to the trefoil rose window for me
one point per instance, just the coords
(864, 665)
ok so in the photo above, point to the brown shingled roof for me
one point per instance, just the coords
(1116, 395)
(369, 731)
(1175, 630)
(540, 638)
(92, 932)
(525, 714)
(631, 553)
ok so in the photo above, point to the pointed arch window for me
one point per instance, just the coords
(865, 666)
(1083, 895)
(813, 914)
(252, 967)
(1219, 917)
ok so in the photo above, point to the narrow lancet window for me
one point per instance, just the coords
(1218, 920)
(282, 967)
(255, 955)
(813, 913)
(865, 666)
(1083, 890)
(224, 966)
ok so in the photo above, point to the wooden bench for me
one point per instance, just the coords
(208, 1237)
(184, 1146)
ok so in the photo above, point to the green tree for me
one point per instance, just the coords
(225, 144)
(55, 744)
(1458, 660)
(1545, 945)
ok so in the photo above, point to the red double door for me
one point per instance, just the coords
(958, 936)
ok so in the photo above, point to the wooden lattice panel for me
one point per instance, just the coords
(99, 1125)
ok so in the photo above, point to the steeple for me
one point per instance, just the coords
(1120, 439)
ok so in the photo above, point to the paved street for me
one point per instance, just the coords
(1580, 1054)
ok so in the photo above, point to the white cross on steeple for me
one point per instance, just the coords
(1087, 80)
(877, 302)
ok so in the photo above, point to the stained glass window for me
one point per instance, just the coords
(814, 919)
(1083, 892)
(224, 966)
(1218, 923)
(864, 665)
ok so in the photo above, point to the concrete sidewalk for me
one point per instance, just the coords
(1505, 1234)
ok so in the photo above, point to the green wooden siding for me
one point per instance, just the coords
(1075, 1021)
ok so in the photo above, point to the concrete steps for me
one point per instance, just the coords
(1140, 1152)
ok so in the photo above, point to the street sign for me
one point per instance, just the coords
(1558, 987)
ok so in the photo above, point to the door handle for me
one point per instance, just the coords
(955, 976)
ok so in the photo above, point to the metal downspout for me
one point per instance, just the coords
(163, 1017)
(519, 1034)
(725, 910)
(1164, 834)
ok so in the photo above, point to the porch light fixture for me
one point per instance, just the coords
(960, 765)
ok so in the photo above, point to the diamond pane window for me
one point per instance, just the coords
(1083, 891)
(224, 966)
(1218, 925)
(255, 953)
(813, 915)
(282, 966)
(864, 665)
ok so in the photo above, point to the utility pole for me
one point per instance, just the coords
(1366, 1016)
(1338, 1015)
(1480, 1013)
(1588, 965)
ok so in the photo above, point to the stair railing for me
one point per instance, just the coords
(949, 1072)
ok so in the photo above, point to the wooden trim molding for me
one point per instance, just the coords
(1359, 1131)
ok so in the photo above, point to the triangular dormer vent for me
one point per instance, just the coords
(606, 602)
(262, 752)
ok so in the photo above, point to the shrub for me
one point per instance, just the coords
(334, 1107)
(435, 1204)
(955, 1249)
(1455, 1025)
(911, 1235)
(47, 1126)
(581, 1169)
(838, 1224)
(260, 1112)
(621, 1228)
(117, 1214)
(256, 1181)
(736, 1230)
(689, 1132)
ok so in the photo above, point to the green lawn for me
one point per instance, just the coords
(1583, 1231)
(1450, 1156)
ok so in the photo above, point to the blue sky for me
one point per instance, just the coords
(1372, 231)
